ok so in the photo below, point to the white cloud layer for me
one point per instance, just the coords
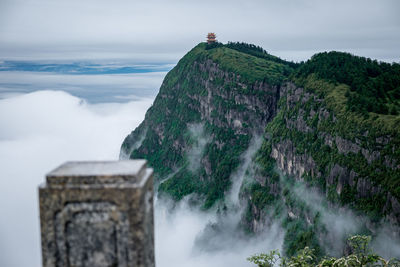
(165, 30)
(177, 234)
(93, 88)
(39, 131)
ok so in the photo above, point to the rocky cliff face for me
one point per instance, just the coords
(203, 109)
(339, 177)
(244, 113)
(351, 167)
(319, 162)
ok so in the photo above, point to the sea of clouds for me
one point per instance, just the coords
(186, 236)
(39, 131)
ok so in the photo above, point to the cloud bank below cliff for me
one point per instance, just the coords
(178, 232)
(39, 131)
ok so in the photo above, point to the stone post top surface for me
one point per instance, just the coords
(98, 213)
(99, 172)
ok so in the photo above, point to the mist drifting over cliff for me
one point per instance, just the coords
(182, 237)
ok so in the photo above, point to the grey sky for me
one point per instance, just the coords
(159, 30)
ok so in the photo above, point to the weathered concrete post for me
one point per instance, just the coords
(98, 214)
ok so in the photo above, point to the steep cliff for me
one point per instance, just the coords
(208, 109)
(336, 155)
(328, 151)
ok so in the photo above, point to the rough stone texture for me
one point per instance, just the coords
(290, 162)
(98, 214)
(299, 123)
(345, 146)
(257, 112)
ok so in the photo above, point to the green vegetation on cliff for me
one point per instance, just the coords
(349, 152)
(374, 137)
(374, 86)
(258, 51)
(331, 122)
(214, 88)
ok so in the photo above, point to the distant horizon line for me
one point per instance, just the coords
(296, 56)
(83, 67)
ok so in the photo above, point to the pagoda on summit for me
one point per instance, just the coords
(211, 38)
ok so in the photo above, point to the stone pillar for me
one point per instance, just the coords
(98, 214)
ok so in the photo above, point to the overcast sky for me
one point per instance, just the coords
(163, 31)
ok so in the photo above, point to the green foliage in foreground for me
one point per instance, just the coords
(361, 255)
